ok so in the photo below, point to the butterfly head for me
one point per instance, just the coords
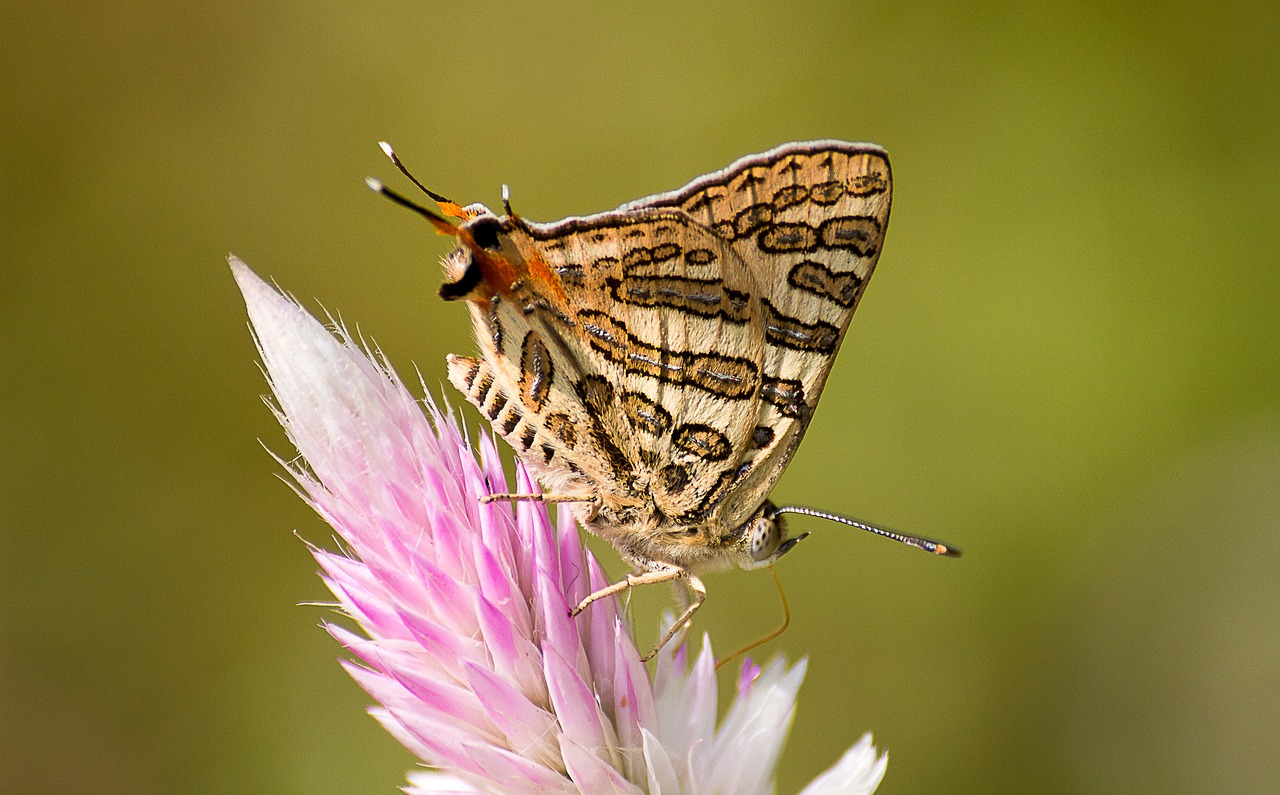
(481, 265)
(493, 253)
(763, 539)
(496, 255)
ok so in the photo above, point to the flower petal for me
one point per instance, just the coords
(747, 746)
(685, 703)
(530, 729)
(573, 701)
(662, 778)
(591, 775)
(858, 772)
(432, 782)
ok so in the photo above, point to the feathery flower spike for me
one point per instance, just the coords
(465, 637)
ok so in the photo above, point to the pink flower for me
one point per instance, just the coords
(467, 644)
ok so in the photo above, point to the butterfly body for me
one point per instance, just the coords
(657, 365)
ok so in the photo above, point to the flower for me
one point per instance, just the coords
(466, 641)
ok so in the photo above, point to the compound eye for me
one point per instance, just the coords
(764, 539)
(484, 231)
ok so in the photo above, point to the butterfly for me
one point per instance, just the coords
(656, 366)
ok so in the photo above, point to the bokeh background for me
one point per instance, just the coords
(1068, 364)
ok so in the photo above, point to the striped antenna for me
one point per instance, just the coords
(919, 542)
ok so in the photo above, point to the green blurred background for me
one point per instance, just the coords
(1068, 364)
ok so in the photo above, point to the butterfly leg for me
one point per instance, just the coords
(488, 498)
(695, 594)
(665, 573)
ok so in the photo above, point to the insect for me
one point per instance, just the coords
(656, 366)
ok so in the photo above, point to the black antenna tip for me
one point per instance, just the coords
(395, 160)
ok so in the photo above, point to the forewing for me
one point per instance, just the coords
(808, 220)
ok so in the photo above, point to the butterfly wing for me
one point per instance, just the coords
(808, 220)
(642, 335)
(665, 358)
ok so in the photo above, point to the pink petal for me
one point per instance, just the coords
(592, 776)
(439, 694)
(511, 653)
(500, 589)
(529, 728)
(575, 704)
(561, 630)
(598, 623)
(746, 675)
(632, 706)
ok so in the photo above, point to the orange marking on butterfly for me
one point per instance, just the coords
(453, 209)
(542, 275)
(499, 272)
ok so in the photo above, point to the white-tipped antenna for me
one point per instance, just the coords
(441, 224)
(919, 542)
(506, 206)
(376, 186)
(395, 161)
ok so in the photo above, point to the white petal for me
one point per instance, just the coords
(745, 753)
(339, 407)
(685, 703)
(662, 773)
(858, 772)
(435, 783)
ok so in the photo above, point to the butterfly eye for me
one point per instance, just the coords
(485, 231)
(764, 538)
